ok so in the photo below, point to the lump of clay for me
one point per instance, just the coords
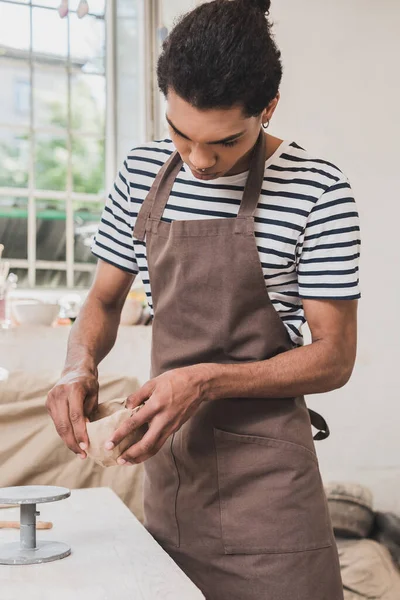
(108, 417)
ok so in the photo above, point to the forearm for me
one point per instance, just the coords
(315, 368)
(93, 335)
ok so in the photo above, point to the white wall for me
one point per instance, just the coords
(341, 99)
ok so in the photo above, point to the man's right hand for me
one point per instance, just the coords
(69, 403)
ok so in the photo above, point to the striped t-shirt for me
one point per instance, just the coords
(306, 223)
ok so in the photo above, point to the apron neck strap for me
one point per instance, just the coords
(254, 183)
(157, 198)
(155, 201)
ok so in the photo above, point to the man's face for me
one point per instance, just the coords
(214, 142)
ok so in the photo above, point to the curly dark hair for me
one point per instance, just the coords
(223, 54)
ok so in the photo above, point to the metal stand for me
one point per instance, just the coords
(29, 551)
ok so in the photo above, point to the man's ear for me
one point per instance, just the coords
(269, 111)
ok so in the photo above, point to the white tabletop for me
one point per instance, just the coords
(113, 556)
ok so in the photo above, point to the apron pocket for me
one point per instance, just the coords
(271, 496)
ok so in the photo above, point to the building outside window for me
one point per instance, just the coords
(76, 95)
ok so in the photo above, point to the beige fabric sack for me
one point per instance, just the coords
(368, 571)
(110, 415)
(31, 452)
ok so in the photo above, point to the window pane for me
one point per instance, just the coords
(50, 162)
(87, 43)
(49, 3)
(50, 35)
(87, 165)
(14, 158)
(15, 90)
(86, 221)
(50, 232)
(131, 97)
(50, 95)
(88, 100)
(51, 279)
(96, 7)
(14, 227)
(15, 26)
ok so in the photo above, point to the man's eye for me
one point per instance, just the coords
(230, 144)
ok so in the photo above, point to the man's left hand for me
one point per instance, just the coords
(170, 400)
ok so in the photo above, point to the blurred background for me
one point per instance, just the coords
(76, 94)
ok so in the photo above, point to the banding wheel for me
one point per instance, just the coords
(28, 550)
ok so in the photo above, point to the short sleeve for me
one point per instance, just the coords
(113, 242)
(328, 252)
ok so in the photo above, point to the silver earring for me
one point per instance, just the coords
(265, 125)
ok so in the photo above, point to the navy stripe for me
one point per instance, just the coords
(280, 223)
(303, 170)
(280, 267)
(109, 224)
(272, 236)
(291, 195)
(120, 193)
(315, 236)
(339, 186)
(353, 297)
(319, 161)
(286, 209)
(275, 275)
(323, 273)
(161, 150)
(196, 211)
(151, 161)
(294, 329)
(110, 262)
(144, 173)
(216, 186)
(117, 218)
(126, 212)
(332, 246)
(112, 251)
(293, 318)
(276, 252)
(330, 259)
(329, 285)
(333, 203)
(139, 186)
(287, 304)
(287, 283)
(332, 218)
(123, 179)
(202, 199)
(296, 181)
(116, 241)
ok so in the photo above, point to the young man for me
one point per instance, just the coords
(240, 237)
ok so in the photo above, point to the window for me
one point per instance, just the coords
(52, 139)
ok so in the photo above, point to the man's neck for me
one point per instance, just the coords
(272, 144)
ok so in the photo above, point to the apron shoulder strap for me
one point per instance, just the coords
(164, 180)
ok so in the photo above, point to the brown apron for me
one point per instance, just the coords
(235, 496)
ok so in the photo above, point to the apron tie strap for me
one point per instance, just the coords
(319, 423)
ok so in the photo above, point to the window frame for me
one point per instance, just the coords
(68, 196)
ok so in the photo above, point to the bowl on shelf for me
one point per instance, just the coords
(35, 312)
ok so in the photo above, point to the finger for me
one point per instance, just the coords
(141, 395)
(142, 416)
(76, 401)
(90, 404)
(60, 416)
(148, 446)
